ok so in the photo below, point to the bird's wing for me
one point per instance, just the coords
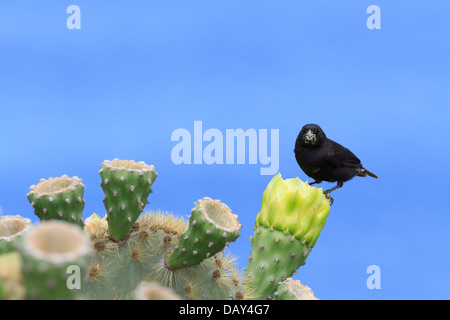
(340, 156)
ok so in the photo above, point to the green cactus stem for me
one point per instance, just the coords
(293, 290)
(12, 229)
(58, 198)
(212, 226)
(50, 253)
(286, 229)
(127, 185)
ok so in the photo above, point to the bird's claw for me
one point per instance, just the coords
(327, 195)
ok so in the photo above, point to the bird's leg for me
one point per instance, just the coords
(327, 192)
(339, 185)
(314, 182)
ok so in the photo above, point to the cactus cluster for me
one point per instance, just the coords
(117, 269)
(132, 254)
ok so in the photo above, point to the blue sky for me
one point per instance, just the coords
(138, 70)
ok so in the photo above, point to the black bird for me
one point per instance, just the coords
(323, 159)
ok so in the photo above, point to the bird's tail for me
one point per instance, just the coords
(364, 173)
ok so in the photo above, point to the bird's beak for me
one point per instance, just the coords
(310, 136)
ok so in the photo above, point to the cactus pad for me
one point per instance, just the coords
(212, 226)
(126, 185)
(12, 229)
(286, 229)
(58, 198)
(48, 250)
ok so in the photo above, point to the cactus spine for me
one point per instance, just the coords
(286, 229)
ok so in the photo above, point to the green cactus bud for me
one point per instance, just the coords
(127, 185)
(286, 229)
(51, 253)
(58, 198)
(293, 290)
(12, 229)
(212, 226)
(294, 207)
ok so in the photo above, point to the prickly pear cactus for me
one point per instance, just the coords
(286, 229)
(128, 254)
